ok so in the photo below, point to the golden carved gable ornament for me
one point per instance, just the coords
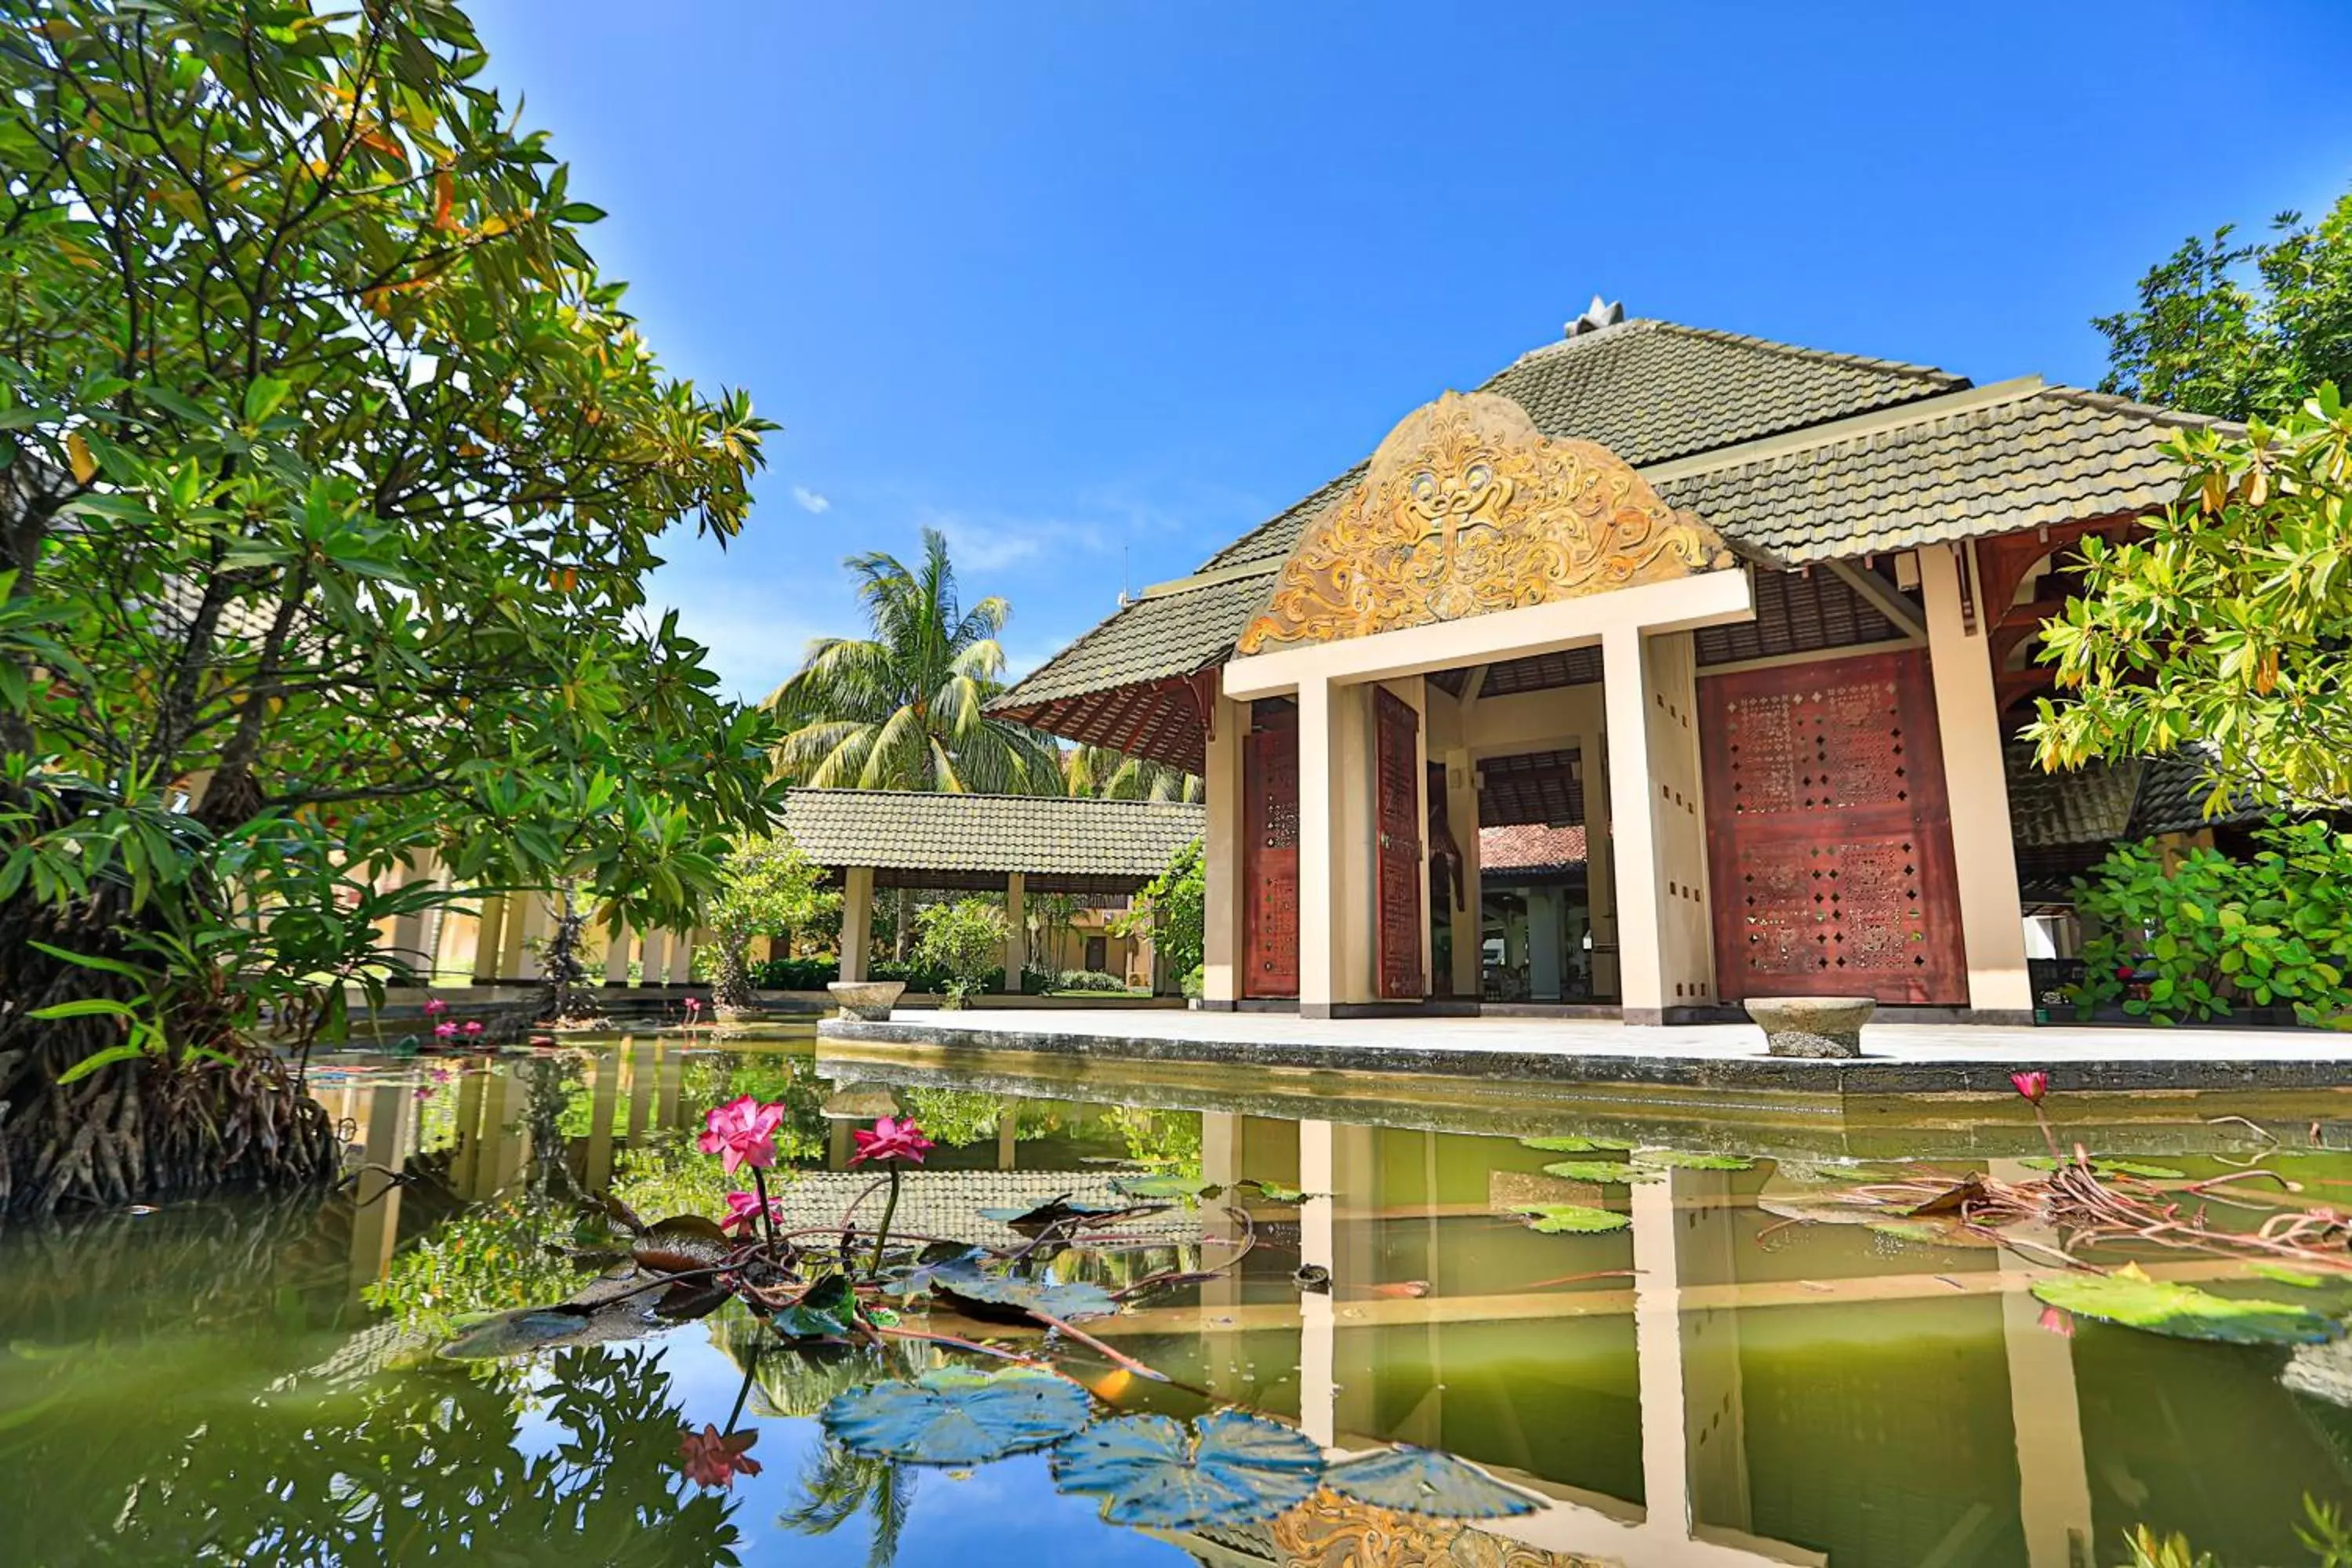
(1467, 508)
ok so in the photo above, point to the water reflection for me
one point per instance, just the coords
(1709, 1385)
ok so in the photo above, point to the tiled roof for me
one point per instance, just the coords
(1651, 390)
(903, 830)
(1523, 847)
(1160, 634)
(2087, 805)
(2046, 455)
(2172, 793)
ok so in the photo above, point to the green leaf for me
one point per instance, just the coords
(99, 1059)
(1005, 1298)
(1421, 1480)
(1680, 1159)
(1165, 1187)
(1570, 1144)
(1610, 1172)
(1232, 1468)
(948, 1416)
(86, 1007)
(822, 1312)
(263, 396)
(2110, 1167)
(1572, 1219)
(2285, 1276)
(2130, 1298)
(91, 960)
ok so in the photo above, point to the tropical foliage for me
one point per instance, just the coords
(767, 888)
(965, 942)
(906, 706)
(2241, 331)
(331, 473)
(2224, 629)
(1173, 911)
(1099, 773)
(2195, 933)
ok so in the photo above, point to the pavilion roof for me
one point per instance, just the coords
(939, 840)
(1794, 455)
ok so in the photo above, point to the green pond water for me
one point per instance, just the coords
(1714, 1381)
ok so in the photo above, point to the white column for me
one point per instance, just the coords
(1633, 830)
(1317, 826)
(681, 957)
(1017, 930)
(617, 952)
(523, 921)
(654, 969)
(1968, 718)
(857, 920)
(2053, 1481)
(488, 938)
(1469, 920)
(1223, 857)
(1319, 1392)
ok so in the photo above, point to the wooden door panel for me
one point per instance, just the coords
(1270, 863)
(1401, 874)
(1829, 834)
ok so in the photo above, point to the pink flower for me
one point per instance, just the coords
(425, 1091)
(2034, 1084)
(445, 1031)
(742, 1208)
(473, 1027)
(434, 1006)
(890, 1140)
(2058, 1321)
(744, 1132)
(693, 1006)
(711, 1459)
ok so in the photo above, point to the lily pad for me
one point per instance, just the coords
(1164, 1188)
(954, 1417)
(2110, 1168)
(1608, 1172)
(529, 1329)
(824, 1311)
(1569, 1144)
(1421, 1480)
(682, 1242)
(1276, 1193)
(1054, 1211)
(2285, 1276)
(1232, 1468)
(1684, 1160)
(918, 1279)
(1009, 1299)
(1572, 1219)
(2128, 1297)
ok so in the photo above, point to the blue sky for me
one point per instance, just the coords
(1094, 286)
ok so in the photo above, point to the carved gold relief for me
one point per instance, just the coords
(1329, 1531)
(1466, 508)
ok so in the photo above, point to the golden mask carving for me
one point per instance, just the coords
(1329, 1531)
(1465, 509)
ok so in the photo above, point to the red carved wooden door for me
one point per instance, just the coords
(1829, 835)
(1270, 862)
(1402, 874)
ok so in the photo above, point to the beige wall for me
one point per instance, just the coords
(1221, 944)
(1984, 855)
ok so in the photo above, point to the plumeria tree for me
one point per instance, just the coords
(767, 888)
(331, 473)
(965, 939)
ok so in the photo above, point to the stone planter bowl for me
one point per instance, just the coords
(870, 1000)
(1812, 1026)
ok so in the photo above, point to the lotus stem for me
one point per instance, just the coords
(882, 1232)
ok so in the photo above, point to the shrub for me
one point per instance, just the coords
(963, 940)
(1088, 980)
(795, 973)
(1171, 910)
(2275, 930)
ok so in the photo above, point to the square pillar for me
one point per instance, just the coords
(1223, 895)
(521, 923)
(1984, 854)
(1017, 930)
(1468, 920)
(617, 954)
(681, 956)
(1665, 944)
(857, 920)
(1336, 913)
(1543, 944)
(488, 939)
(655, 968)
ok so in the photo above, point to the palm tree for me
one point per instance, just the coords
(905, 707)
(1115, 776)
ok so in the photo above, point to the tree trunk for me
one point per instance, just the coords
(730, 989)
(559, 1001)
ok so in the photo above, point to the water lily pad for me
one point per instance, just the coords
(682, 1242)
(1421, 1480)
(1572, 1219)
(1276, 1193)
(1054, 1211)
(954, 1417)
(1567, 1144)
(2110, 1168)
(1162, 1188)
(529, 1329)
(824, 1311)
(2130, 1298)
(1232, 1468)
(1684, 1160)
(917, 1278)
(2285, 1276)
(1608, 1172)
(1009, 1299)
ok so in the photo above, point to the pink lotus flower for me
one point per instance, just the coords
(2035, 1086)
(473, 1027)
(2059, 1321)
(711, 1459)
(890, 1140)
(445, 1031)
(743, 1208)
(743, 1131)
(434, 1006)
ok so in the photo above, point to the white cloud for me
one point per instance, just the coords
(992, 542)
(809, 502)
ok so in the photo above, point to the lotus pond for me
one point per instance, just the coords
(1212, 1317)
